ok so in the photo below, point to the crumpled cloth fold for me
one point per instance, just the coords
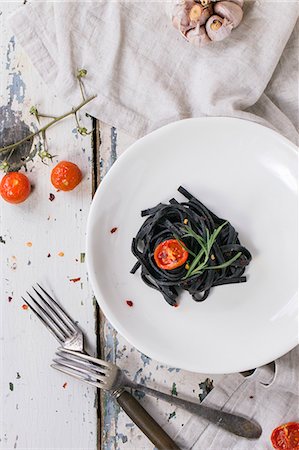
(146, 75)
(270, 397)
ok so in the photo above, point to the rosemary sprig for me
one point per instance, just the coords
(184, 245)
(201, 260)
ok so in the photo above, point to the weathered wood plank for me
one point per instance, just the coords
(38, 409)
(118, 431)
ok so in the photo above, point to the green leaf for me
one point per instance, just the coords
(215, 235)
(198, 265)
(226, 263)
(183, 245)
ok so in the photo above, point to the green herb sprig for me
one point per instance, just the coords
(41, 149)
(200, 262)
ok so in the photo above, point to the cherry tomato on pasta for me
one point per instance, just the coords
(170, 254)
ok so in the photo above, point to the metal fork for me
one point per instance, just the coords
(56, 320)
(70, 337)
(108, 376)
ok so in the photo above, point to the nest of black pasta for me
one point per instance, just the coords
(196, 227)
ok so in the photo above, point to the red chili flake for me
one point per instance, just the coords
(74, 280)
(9, 299)
(25, 306)
(113, 230)
(129, 303)
(51, 197)
(49, 255)
(64, 385)
(176, 305)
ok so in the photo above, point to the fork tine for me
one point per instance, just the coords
(83, 364)
(56, 311)
(97, 361)
(67, 318)
(93, 376)
(52, 330)
(52, 319)
(75, 374)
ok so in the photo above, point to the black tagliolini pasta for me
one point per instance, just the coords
(186, 246)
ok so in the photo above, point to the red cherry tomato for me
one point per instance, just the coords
(15, 187)
(170, 254)
(286, 437)
(66, 176)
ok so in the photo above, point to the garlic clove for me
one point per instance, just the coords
(206, 13)
(230, 11)
(218, 28)
(196, 12)
(198, 36)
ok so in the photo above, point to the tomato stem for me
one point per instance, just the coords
(50, 124)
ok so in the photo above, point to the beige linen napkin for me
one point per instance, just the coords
(270, 398)
(146, 75)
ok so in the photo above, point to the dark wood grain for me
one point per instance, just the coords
(145, 422)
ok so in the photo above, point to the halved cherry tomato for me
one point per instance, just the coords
(170, 254)
(15, 187)
(286, 437)
(66, 176)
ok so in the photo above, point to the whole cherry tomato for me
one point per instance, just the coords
(66, 176)
(286, 437)
(15, 187)
(170, 254)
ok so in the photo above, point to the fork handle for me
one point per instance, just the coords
(144, 421)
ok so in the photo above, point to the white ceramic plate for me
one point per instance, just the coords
(243, 172)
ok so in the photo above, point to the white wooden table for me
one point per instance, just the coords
(40, 408)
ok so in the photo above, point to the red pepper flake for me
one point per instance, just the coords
(176, 305)
(113, 230)
(74, 280)
(51, 197)
(29, 244)
(49, 255)
(64, 385)
(25, 306)
(61, 254)
(129, 303)
(9, 299)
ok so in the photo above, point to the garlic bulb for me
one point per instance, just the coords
(230, 11)
(200, 21)
(198, 36)
(218, 28)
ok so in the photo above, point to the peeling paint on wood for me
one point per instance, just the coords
(39, 412)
